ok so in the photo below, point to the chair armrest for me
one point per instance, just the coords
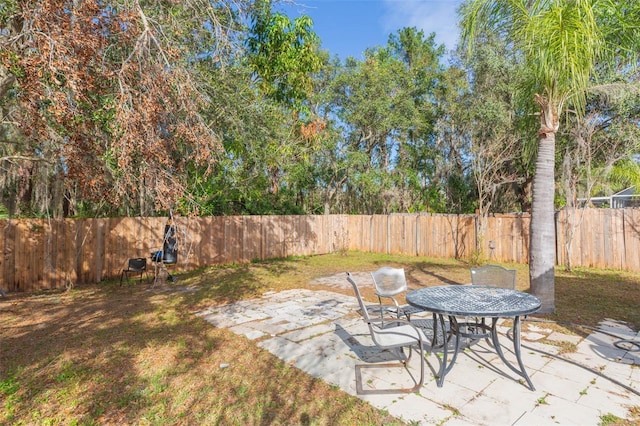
(393, 320)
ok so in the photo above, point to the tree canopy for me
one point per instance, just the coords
(124, 107)
(561, 44)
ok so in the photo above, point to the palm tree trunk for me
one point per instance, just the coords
(542, 247)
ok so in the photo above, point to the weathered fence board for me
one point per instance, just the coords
(9, 267)
(508, 235)
(359, 232)
(631, 232)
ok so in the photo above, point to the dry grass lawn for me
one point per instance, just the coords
(105, 354)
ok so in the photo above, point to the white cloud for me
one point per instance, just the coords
(437, 16)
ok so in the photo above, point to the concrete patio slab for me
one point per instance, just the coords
(321, 333)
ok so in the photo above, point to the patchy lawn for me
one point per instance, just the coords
(105, 354)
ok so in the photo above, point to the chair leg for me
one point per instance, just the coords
(407, 357)
(381, 309)
(403, 364)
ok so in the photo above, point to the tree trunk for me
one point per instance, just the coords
(542, 247)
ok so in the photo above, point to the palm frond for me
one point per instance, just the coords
(562, 41)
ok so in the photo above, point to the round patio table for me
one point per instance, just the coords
(480, 302)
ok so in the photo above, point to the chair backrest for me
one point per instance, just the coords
(363, 308)
(138, 264)
(385, 336)
(494, 276)
(389, 281)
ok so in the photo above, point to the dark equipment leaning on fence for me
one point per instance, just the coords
(168, 255)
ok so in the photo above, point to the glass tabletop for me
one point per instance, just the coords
(474, 300)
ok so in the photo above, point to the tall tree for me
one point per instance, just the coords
(387, 105)
(597, 151)
(562, 42)
(284, 57)
(369, 98)
(283, 54)
(492, 118)
(427, 85)
(107, 95)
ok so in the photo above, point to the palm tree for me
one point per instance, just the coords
(562, 42)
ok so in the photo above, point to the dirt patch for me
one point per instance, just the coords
(340, 280)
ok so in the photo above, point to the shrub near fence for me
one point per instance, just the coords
(45, 253)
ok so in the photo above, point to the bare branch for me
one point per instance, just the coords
(17, 158)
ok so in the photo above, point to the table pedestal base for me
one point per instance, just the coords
(480, 331)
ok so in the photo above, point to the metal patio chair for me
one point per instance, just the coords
(494, 276)
(394, 334)
(389, 283)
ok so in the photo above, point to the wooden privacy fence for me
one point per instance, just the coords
(413, 234)
(46, 253)
(600, 238)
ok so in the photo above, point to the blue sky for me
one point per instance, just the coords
(348, 27)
